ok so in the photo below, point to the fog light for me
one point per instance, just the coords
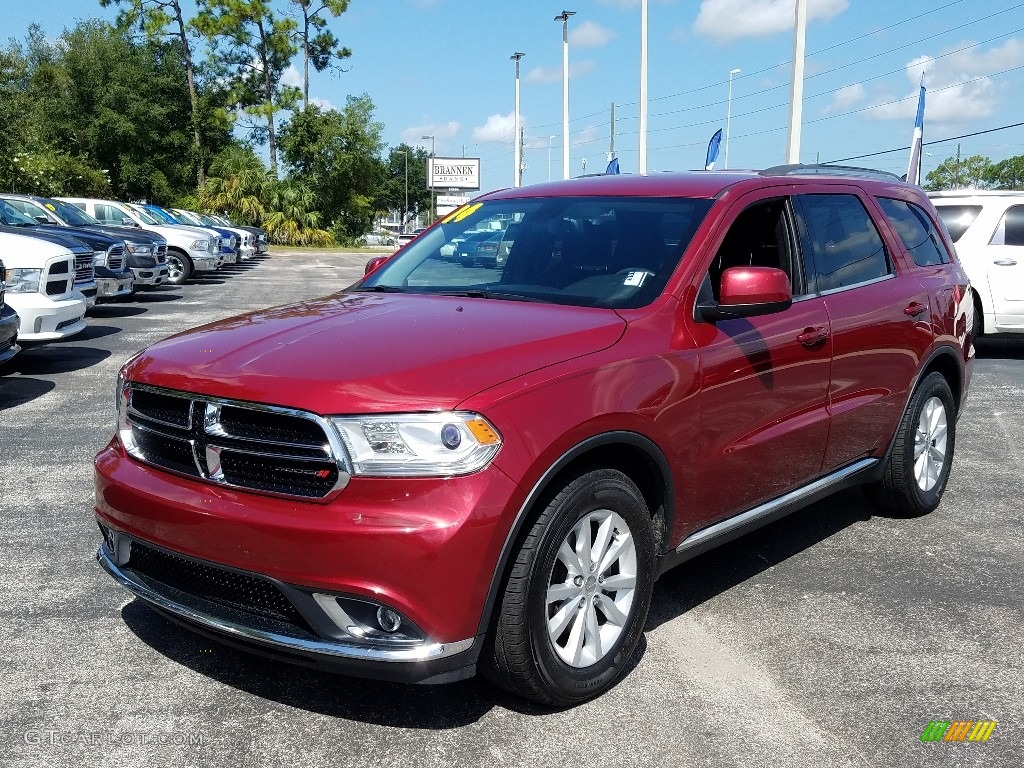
(388, 620)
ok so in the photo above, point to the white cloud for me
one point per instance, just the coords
(554, 74)
(590, 35)
(322, 103)
(727, 20)
(845, 99)
(292, 77)
(414, 134)
(588, 135)
(497, 128)
(959, 86)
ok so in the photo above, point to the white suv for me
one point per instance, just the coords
(189, 249)
(40, 278)
(988, 229)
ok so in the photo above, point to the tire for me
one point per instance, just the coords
(179, 265)
(561, 636)
(922, 454)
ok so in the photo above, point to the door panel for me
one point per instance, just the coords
(1005, 256)
(764, 416)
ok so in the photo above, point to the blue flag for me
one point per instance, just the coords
(613, 166)
(914, 168)
(713, 145)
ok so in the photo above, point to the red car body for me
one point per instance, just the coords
(711, 419)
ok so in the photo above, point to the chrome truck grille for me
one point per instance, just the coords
(59, 278)
(243, 445)
(115, 258)
(161, 253)
(83, 267)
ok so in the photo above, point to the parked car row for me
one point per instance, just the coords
(60, 256)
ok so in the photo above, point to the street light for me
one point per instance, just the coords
(728, 116)
(430, 181)
(549, 155)
(564, 18)
(405, 211)
(517, 175)
(643, 88)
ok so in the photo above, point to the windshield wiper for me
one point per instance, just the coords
(479, 294)
(381, 289)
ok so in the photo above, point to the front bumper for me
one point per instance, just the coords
(427, 663)
(9, 323)
(109, 287)
(204, 262)
(424, 547)
(150, 275)
(43, 319)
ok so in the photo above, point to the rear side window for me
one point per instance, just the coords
(916, 231)
(958, 218)
(108, 214)
(844, 242)
(1011, 227)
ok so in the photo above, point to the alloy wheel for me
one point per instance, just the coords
(930, 444)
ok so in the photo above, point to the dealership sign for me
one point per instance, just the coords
(453, 172)
(448, 203)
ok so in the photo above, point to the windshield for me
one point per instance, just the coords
(70, 214)
(187, 218)
(12, 217)
(160, 214)
(588, 251)
(144, 216)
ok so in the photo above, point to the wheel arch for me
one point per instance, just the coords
(631, 453)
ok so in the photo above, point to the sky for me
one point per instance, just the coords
(442, 68)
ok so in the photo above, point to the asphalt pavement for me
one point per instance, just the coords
(832, 638)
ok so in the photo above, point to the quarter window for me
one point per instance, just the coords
(916, 231)
(1011, 227)
(844, 242)
(958, 218)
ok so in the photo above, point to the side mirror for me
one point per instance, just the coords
(374, 263)
(747, 292)
(126, 222)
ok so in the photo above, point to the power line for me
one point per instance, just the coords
(926, 144)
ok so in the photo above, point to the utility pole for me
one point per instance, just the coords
(796, 92)
(643, 87)
(611, 138)
(522, 157)
(517, 176)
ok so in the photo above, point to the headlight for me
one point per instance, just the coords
(201, 245)
(23, 280)
(138, 249)
(418, 444)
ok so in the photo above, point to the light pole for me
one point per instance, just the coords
(405, 211)
(517, 174)
(430, 172)
(728, 117)
(796, 89)
(643, 88)
(564, 18)
(552, 136)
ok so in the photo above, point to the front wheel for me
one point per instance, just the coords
(922, 454)
(179, 267)
(575, 603)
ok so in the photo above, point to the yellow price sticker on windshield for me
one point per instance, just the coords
(460, 213)
(50, 206)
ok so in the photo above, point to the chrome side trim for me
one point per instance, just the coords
(768, 508)
(426, 652)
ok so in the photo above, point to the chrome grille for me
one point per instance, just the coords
(83, 267)
(243, 445)
(161, 253)
(115, 258)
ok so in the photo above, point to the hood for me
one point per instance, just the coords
(99, 241)
(58, 237)
(374, 353)
(131, 234)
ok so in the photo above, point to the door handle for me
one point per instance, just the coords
(813, 336)
(914, 309)
(1005, 262)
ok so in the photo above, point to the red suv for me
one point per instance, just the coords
(446, 468)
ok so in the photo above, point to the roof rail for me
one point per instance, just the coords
(798, 169)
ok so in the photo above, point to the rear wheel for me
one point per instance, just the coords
(922, 455)
(574, 607)
(179, 265)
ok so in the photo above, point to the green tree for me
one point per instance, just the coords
(154, 18)
(337, 154)
(319, 45)
(251, 46)
(391, 193)
(1006, 174)
(959, 173)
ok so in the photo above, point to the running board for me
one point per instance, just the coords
(708, 538)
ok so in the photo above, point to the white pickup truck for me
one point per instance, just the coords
(189, 249)
(40, 278)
